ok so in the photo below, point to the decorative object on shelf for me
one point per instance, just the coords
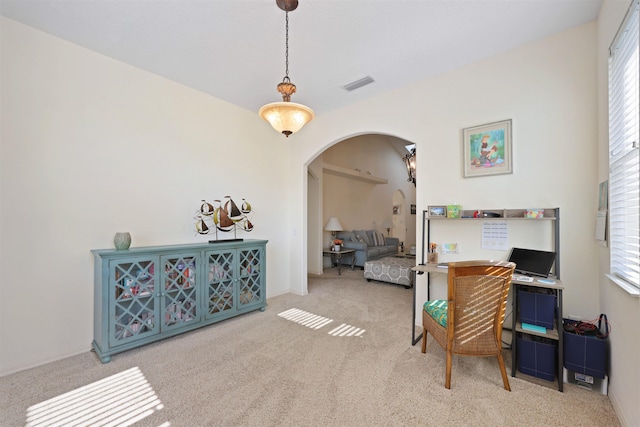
(333, 225)
(432, 255)
(453, 211)
(437, 211)
(225, 217)
(122, 240)
(534, 213)
(286, 117)
(487, 149)
(336, 245)
(396, 209)
(386, 224)
(410, 163)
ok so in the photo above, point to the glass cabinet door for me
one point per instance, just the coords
(220, 283)
(133, 307)
(250, 289)
(179, 297)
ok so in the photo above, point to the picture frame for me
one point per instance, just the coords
(413, 209)
(437, 211)
(487, 149)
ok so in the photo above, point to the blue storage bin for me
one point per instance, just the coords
(537, 357)
(537, 308)
(586, 354)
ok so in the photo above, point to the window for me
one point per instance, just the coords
(624, 129)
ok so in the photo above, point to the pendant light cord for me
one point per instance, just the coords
(286, 52)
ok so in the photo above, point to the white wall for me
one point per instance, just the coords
(91, 146)
(548, 89)
(622, 309)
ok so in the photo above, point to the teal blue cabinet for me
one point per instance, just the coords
(143, 295)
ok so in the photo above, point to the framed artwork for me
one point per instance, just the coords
(487, 149)
(437, 211)
(413, 209)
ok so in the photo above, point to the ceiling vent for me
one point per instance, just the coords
(358, 83)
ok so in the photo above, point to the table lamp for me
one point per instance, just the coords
(333, 225)
(386, 224)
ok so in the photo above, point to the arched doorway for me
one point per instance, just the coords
(317, 213)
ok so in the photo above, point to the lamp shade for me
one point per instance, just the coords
(286, 117)
(386, 224)
(333, 225)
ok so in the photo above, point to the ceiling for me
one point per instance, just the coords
(234, 49)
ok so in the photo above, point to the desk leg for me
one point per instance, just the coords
(414, 339)
(514, 334)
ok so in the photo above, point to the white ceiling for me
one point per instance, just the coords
(234, 49)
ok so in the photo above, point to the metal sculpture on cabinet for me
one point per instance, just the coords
(225, 217)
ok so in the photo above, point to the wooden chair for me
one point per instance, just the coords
(469, 322)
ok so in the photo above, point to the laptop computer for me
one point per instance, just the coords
(531, 262)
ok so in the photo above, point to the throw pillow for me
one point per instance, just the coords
(376, 241)
(381, 239)
(363, 234)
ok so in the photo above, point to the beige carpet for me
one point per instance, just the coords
(262, 369)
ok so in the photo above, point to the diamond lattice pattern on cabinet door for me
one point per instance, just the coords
(180, 291)
(250, 276)
(134, 303)
(220, 282)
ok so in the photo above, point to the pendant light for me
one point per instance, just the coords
(286, 117)
(410, 163)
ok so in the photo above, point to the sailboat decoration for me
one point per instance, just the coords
(223, 216)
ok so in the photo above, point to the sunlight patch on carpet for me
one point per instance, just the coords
(315, 321)
(119, 400)
(345, 330)
(305, 318)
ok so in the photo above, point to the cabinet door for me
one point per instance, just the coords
(250, 278)
(219, 292)
(132, 300)
(179, 296)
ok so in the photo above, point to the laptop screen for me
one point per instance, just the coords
(532, 262)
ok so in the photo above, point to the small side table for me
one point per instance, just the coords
(336, 256)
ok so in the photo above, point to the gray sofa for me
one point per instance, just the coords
(368, 244)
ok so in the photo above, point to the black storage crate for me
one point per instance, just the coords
(537, 308)
(586, 354)
(537, 356)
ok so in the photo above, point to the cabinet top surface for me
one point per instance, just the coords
(221, 244)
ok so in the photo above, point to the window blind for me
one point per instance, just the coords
(624, 167)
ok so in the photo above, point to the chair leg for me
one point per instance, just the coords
(503, 371)
(424, 340)
(447, 382)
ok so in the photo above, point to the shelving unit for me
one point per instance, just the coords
(549, 214)
(143, 295)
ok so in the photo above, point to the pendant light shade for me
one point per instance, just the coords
(286, 117)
